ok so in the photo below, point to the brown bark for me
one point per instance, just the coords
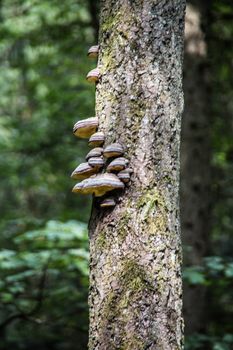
(195, 161)
(135, 281)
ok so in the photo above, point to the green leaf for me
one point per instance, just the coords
(229, 270)
(194, 275)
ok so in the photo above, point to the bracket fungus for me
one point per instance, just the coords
(83, 171)
(95, 152)
(96, 139)
(94, 75)
(96, 162)
(130, 170)
(99, 185)
(113, 150)
(124, 175)
(117, 164)
(93, 51)
(86, 127)
(97, 177)
(108, 203)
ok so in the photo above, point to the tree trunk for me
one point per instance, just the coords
(195, 161)
(135, 280)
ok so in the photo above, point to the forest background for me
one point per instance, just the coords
(43, 241)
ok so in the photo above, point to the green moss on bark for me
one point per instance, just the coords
(153, 208)
(150, 199)
(122, 227)
(110, 22)
(132, 280)
(101, 240)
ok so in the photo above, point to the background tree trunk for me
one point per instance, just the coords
(94, 12)
(195, 160)
(135, 281)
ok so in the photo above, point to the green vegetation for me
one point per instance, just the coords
(44, 252)
(44, 272)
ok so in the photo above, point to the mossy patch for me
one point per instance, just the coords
(110, 21)
(133, 281)
(123, 224)
(134, 277)
(101, 240)
(153, 210)
(133, 344)
(150, 200)
(121, 305)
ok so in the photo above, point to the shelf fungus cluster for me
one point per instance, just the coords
(105, 171)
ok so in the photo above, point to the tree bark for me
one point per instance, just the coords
(195, 160)
(135, 279)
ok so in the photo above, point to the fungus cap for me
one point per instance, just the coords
(86, 127)
(117, 164)
(94, 75)
(93, 51)
(113, 150)
(83, 171)
(130, 170)
(124, 175)
(95, 152)
(96, 139)
(99, 185)
(108, 202)
(96, 162)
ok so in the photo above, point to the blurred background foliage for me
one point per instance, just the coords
(44, 251)
(44, 241)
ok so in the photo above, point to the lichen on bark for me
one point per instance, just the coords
(135, 281)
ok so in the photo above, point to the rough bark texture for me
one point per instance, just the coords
(195, 160)
(135, 281)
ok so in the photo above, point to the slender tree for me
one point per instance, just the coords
(195, 159)
(135, 281)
